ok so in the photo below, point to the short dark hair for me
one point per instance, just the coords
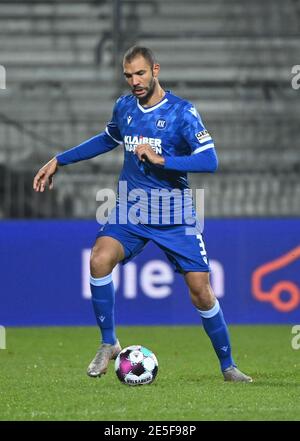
(135, 51)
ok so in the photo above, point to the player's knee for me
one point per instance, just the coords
(102, 262)
(202, 296)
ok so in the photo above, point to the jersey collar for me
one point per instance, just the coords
(150, 109)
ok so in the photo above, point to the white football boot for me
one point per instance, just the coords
(105, 353)
(234, 374)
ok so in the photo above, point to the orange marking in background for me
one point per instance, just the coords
(273, 295)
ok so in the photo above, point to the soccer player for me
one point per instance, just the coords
(164, 139)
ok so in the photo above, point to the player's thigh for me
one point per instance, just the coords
(131, 238)
(107, 251)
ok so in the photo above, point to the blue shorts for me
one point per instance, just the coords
(185, 252)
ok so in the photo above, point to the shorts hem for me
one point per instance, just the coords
(194, 270)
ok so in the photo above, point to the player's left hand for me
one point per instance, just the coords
(146, 153)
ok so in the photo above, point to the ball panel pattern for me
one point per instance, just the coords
(136, 365)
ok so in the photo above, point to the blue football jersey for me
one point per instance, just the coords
(173, 127)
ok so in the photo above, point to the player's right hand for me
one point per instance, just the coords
(45, 176)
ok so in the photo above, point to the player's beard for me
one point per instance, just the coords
(150, 91)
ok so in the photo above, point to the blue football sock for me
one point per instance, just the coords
(103, 298)
(216, 328)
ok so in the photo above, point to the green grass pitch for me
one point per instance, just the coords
(43, 376)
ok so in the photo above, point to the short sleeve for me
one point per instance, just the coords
(193, 130)
(112, 128)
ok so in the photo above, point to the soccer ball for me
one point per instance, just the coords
(136, 365)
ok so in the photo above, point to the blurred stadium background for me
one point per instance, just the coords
(233, 59)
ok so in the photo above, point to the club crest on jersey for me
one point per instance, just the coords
(161, 124)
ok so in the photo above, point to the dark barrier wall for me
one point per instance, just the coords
(45, 275)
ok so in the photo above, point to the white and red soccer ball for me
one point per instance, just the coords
(136, 365)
